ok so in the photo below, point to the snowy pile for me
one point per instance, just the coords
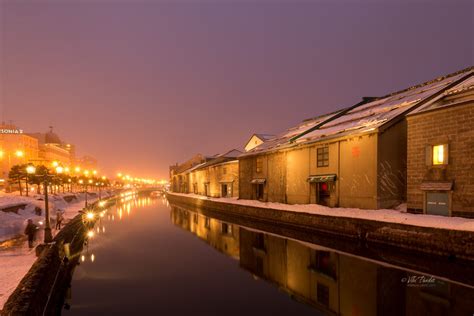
(399, 215)
(12, 224)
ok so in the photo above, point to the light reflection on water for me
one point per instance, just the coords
(159, 267)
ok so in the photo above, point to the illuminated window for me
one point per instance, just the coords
(439, 155)
(323, 156)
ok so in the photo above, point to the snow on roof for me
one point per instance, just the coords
(264, 137)
(466, 85)
(283, 138)
(220, 158)
(363, 118)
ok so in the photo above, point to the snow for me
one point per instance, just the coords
(14, 264)
(15, 256)
(397, 215)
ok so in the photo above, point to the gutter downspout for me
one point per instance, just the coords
(335, 116)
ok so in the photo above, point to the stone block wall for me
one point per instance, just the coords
(453, 126)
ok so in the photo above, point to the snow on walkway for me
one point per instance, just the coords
(15, 261)
(399, 216)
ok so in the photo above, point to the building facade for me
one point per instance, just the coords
(16, 147)
(216, 176)
(441, 155)
(355, 158)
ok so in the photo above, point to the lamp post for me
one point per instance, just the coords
(48, 237)
(30, 169)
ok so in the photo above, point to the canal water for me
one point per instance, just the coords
(150, 258)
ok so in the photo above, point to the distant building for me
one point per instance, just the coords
(217, 177)
(355, 157)
(178, 180)
(52, 148)
(16, 147)
(441, 154)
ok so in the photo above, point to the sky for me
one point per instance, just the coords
(143, 84)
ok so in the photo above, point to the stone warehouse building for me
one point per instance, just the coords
(356, 157)
(441, 154)
(178, 179)
(216, 176)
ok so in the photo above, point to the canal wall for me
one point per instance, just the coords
(416, 239)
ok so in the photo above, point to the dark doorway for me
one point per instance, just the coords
(322, 193)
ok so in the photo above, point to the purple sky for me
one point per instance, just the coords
(143, 84)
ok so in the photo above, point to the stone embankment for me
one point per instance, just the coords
(415, 239)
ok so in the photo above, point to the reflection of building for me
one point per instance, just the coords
(441, 151)
(332, 282)
(222, 236)
(216, 176)
(52, 148)
(355, 157)
(16, 147)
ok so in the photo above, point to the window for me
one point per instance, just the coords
(259, 164)
(196, 219)
(322, 292)
(224, 170)
(323, 156)
(207, 223)
(439, 155)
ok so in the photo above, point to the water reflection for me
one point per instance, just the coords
(330, 281)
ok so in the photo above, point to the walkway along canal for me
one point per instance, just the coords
(147, 257)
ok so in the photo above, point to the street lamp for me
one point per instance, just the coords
(48, 237)
(30, 169)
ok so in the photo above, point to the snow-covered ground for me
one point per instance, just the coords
(15, 256)
(398, 215)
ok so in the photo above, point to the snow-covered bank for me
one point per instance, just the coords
(15, 261)
(399, 216)
(12, 224)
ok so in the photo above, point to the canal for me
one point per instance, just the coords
(151, 258)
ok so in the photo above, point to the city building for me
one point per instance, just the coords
(16, 147)
(52, 148)
(355, 157)
(441, 151)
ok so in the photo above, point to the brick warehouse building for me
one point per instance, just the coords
(440, 166)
